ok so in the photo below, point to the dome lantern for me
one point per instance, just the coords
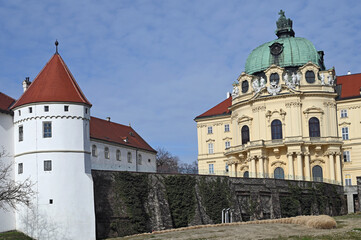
(284, 26)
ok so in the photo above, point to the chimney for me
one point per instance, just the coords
(26, 84)
(349, 72)
(228, 94)
(108, 119)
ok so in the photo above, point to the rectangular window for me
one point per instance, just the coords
(346, 156)
(86, 110)
(228, 144)
(66, 108)
(226, 128)
(20, 168)
(21, 133)
(47, 165)
(211, 168)
(210, 148)
(30, 109)
(348, 182)
(210, 130)
(19, 112)
(46, 108)
(227, 167)
(345, 133)
(343, 113)
(47, 130)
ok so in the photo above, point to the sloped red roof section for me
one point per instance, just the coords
(54, 83)
(220, 109)
(117, 133)
(5, 102)
(351, 85)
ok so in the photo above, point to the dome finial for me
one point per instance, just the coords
(56, 46)
(284, 26)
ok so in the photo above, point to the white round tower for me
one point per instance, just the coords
(52, 149)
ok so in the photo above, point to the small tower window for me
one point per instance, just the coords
(20, 168)
(47, 133)
(129, 156)
(46, 108)
(106, 153)
(139, 159)
(118, 155)
(30, 109)
(66, 108)
(86, 110)
(310, 77)
(21, 133)
(47, 165)
(19, 112)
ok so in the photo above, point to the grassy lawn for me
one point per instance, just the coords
(348, 227)
(13, 235)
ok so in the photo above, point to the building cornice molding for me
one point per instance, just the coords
(51, 151)
(51, 117)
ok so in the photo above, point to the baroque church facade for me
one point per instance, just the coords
(288, 117)
(50, 137)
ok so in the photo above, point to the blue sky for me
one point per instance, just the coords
(159, 64)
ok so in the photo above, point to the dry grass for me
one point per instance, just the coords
(318, 222)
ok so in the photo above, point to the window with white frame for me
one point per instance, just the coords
(94, 151)
(210, 148)
(21, 133)
(348, 181)
(20, 168)
(106, 153)
(47, 133)
(211, 168)
(345, 133)
(343, 113)
(210, 130)
(129, 156)
(118, 155)
(346, 156)
(226, 127)
(47, 165)
(228, 144)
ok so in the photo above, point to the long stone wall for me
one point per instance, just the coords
(128, 203)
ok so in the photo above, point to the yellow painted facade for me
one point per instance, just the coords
(296, 128)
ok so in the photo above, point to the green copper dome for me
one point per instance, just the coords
(286, 51)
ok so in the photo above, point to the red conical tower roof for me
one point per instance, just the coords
(54, 83)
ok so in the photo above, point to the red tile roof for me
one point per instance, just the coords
(351, 85)
(5, 102)
(117, 133)
(220, 109)
(54, 83)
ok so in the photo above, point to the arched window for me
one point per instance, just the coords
(245, 134)
(139, 159)
(118, 155)
(129, 156)
(279, 173)
(317, 174)
(276, 129)
(274, 78)
(106, 152)
(246, 174)
(94, 151)
(314, 127)
(310, 76)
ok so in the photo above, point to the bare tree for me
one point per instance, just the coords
(188, 168)
(166, 162)
(13, 192)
